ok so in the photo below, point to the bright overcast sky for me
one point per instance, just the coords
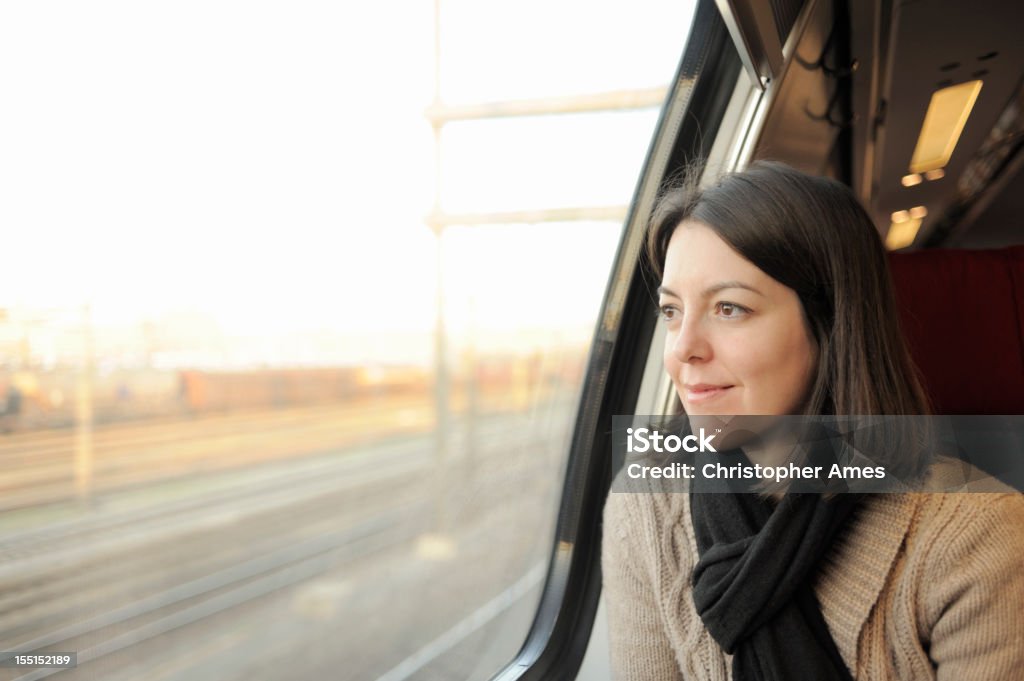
(269, 163)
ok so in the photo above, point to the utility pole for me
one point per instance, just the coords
(84, 411)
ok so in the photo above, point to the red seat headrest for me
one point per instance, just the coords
(962, 314)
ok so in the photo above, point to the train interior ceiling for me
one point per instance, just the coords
(937, 83)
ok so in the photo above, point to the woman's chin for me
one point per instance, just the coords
(725, 408)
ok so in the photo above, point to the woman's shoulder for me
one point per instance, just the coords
(949, 474)
(936, 523)
(927, 533)
(952, 523)
(630, 511)
(951, 514)
(653, 500)
(643, 520)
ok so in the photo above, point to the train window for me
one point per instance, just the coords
(295, 322)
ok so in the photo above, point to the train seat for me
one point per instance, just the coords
(962, 312)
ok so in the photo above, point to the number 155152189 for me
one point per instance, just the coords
(59, 660)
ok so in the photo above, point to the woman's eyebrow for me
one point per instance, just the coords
(721, 286)
(713, 289)
(663, 290)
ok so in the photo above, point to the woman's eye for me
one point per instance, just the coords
(667, 312)
(731, 310)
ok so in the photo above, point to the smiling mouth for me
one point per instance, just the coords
(698, 394)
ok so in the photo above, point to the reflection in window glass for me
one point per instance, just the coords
(257, 419)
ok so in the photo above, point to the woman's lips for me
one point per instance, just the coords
(696, 394)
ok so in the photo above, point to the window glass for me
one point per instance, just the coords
(533, 48)
(267, 410)
(492, 164)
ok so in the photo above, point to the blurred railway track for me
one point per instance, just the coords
(38, 468)
(99, 583)
(212, 593)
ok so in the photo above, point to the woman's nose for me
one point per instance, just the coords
(691, 343)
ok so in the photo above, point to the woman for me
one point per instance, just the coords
(776, 300)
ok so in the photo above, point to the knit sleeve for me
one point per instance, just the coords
(975, 603)
(638, 644)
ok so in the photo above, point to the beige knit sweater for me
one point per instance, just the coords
(921, 586)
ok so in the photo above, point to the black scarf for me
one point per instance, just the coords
(752, 585)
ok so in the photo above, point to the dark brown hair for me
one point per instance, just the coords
(811, 235)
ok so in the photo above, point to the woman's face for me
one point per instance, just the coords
(736, 339)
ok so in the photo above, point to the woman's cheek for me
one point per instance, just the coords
(669, 360)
